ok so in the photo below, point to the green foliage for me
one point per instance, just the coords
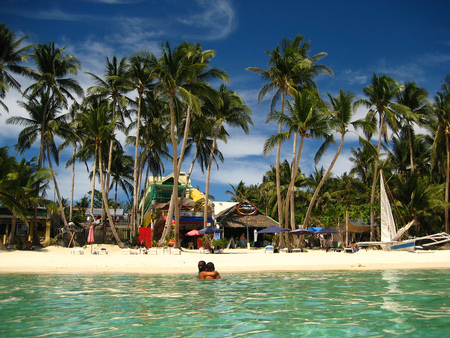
(221, 243)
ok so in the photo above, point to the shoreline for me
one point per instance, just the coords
(59, 260)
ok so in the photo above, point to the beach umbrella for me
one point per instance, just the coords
(301, 232)
(327, 231)
(90, 238)
(209, 230)
(193, 233)
(273, 229)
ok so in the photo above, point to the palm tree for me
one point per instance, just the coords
(414, 99)
(8, 173)
(380, 94)
(182, 73)
(290, 67)
(230, 111)
(98, 128)
(121, 173)
(306, 120)
(11, 55)
(46, 122)
(341, 114)
(141, 77)
(114, 86)
(441, 109)
(239, 192)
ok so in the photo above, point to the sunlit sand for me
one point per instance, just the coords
(61, 260)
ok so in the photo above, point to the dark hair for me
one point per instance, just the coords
(201, 266)
(210, 266)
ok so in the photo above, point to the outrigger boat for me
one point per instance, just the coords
(389, 235)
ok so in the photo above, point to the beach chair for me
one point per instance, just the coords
(102, 251)
(77, 250)
(269, 249)
(152, 250)
(127, 250)
(173, 251)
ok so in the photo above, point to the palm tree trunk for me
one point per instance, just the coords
(61, 207)
(208, 176)
(447, 182)
(94, 169)
(174, 199)
(411, 151)
(105, 201)
(374, 183)
(73, 183)
(322, 181)
(135, 173)
(12, 234)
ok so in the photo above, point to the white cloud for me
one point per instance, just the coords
(217, 18)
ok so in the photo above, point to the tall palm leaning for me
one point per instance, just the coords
(305, 119)
(414, 100)
(141, 77)
(98, 128)
(53, 76)
(380, 95)
(45, 121)
(289, 67)
(341, 114)
(11, 55)
(231, 111)
(182, 73)
(441, 110)
(114, 86)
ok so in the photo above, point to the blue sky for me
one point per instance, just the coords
(409, 40)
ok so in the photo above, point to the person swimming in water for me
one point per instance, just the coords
(207, 271)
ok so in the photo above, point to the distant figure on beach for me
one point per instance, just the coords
(207, 271)
(243, 241)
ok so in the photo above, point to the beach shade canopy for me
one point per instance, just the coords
(273, 229)
(209, 230)
(193, 233)
(301, 232)
(327, 231)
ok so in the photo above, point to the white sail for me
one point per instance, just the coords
(388, 229)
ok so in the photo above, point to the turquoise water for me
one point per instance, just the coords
(307, 304)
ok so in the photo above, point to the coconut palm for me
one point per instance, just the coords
(230, 111)
(113, 87)
(305, 119)
(11, 55)
(441, 110)
(380, 95)
(98, 128)
(141, 77)
(45, 122)
(341, 113)
(414, 99)
(290, 67)
(182, 73)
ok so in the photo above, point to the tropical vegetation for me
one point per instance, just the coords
(170, 105)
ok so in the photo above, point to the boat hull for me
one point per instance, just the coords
(400, 246)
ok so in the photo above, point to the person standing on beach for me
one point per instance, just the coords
(243, 241)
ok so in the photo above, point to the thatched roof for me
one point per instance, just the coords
(229, 218)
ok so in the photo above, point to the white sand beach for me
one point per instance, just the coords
(55, 259)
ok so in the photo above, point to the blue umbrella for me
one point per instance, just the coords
(273, 229)
(210, 230)
(301, 232)
(327, 231)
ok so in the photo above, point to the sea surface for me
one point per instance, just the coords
(306, 304)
